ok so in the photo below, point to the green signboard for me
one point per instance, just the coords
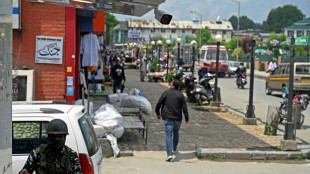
(298, 41)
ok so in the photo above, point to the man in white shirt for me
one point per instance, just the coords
(272, 65)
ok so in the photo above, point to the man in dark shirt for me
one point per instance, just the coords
(118, 76)
(171, 104)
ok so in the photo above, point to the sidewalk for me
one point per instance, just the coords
(209, 135)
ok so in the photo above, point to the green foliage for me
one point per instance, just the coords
(282, 37)
(273, 35)
(240, 52)
(234, 21)
(259, 44)
(300, 157)
(169, 76)
(154, 65)
(111, 22)
(107, 155)
(276, 52)
(276, 147)
(209, 156)
(205, 36)
(261, 66)
(300, 51)
(231, 44)
(282, 17)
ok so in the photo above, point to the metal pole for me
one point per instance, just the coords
(178, 55)
(200, 40)
(238, 31)
(193, 66)
(288, 135)
(167, 62)
(250, 107)
(216, 70)
(158, 58)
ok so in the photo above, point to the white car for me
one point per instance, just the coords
(29, 131)
(233, 65)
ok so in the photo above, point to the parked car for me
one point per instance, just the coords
(278, 80)
(30, 120)
(232, 67)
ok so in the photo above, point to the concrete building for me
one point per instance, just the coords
(141, 31)
(120, 34)
(299, 28)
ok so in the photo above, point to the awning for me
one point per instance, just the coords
(126, 7)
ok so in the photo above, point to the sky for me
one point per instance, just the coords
(256, 10)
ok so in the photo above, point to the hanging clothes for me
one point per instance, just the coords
(90, 48)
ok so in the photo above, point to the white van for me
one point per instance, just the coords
(29, 122)
(208, 54)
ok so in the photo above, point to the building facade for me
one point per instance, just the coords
(141, 31)
(299, 28)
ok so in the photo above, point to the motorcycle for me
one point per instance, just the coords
(203, 91)
(241, 81)
(180, 76)
(190, 84)
(301, 100)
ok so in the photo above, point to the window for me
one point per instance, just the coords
(173, 31)
(290, 33)
(193, 31)
(152, 30)
(213, 31)
(308, 33)
(162, 30)
(300, 32)
(224, 31)
(183, 31)
(303, 69)
(28, 136)
(211, 54)
(276, 71)
(89, 135)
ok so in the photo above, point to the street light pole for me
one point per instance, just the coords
(250, 108)
(194, 44)
(288, 135)
(153, 44)
(159, 42)
(218, 39)
(168, 42)
(200, 15)
(178, 61)
(238, 3)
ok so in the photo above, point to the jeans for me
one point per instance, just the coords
(172, 135)
(117, 84)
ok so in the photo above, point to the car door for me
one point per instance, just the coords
(273, 78)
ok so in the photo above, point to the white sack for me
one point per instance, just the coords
(118, 131)
(114, 146)
(100, 131)
(116, 99)
(134, 91)
(107, 116)
(91, 105)
(137, 101)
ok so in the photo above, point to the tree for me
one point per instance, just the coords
(273, 35)
(281, 17)
(111, 22)
(205, 36)
(240, 52)
(246, 23)
(231, 44)
(234, 21)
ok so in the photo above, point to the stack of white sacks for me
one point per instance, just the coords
(108, 121)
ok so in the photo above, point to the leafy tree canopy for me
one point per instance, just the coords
(205, 36)
(281, 17)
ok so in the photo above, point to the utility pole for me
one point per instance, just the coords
(238, 3)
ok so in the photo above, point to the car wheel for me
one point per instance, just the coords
(268, 90)
(284, 95)
(199, 101)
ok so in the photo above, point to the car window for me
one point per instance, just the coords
(276, 71)
(282, 70)
(303, 69)
(89, 135)
(28, 136)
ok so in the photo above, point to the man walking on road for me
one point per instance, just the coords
(172, 103)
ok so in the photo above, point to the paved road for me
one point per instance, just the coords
(238, 99)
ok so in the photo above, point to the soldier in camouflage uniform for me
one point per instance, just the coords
(54, 157)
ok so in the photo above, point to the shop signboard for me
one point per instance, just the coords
(275, 42)
(49, 50)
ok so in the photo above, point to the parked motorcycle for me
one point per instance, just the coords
(190, 84)
(203, 91)
(301, 100)
(241, 81)
(180, 76)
